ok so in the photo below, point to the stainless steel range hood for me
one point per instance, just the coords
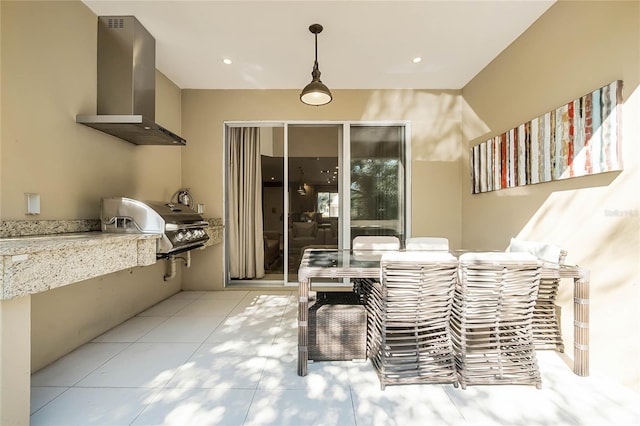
(127, 84)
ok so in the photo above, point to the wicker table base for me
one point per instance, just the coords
(337, 327)
(580, 278)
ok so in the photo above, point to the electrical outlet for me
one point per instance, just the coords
(32, 203)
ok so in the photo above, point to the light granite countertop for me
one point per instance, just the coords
(36, 243)
(33, 264)
(39, 255)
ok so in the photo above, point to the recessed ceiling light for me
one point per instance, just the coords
(227, 61)
(417, 60)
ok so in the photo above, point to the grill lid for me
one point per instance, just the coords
(181, 227)
(174, 213)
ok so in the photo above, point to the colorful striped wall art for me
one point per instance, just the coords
(580, 138)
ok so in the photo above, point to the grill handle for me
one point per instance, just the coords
(176, 227)
(120, 222)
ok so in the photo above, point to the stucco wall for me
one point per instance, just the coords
(48, 71)
(574, 48)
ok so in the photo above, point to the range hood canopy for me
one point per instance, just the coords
(127, 84)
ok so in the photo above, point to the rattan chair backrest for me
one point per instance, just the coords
(492, 317)
(498, 285)
(410, 309)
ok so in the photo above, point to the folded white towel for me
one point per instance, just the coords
(427, 243)
(498, 257)
(376, 243)
(543, 251)
(418, 256)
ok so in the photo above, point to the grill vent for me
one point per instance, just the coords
(115, 23)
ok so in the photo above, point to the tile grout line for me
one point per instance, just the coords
(128, 345)
(164, 387)
(158, 391)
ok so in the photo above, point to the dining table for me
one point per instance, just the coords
(334, 264)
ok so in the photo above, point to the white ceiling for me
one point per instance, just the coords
(364, 45)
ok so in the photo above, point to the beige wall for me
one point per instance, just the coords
(49, 76)
(67, 317)
(436, 138)
(319, 141)
(572, 49)
(48, 70)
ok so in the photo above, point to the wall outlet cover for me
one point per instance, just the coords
(32, 203)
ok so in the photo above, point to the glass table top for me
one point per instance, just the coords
(334, 258)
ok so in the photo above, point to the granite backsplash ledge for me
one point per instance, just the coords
(24, 228)
(214, 221)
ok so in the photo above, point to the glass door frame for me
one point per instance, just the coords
(344, 185)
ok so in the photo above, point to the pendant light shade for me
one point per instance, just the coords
(315, 93)
(301, 189)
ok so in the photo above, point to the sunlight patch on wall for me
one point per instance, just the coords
(435, 117)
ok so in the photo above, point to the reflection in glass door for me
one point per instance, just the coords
(273, 202)
(313, 213)
(377, 187)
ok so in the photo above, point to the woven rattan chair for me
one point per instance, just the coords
(427, 244)
(365, 246)
(547, 332)
(411, 307)
(491, 321)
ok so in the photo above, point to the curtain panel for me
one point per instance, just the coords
(245, 228)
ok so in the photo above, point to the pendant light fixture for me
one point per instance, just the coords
(301, 190)
(315, 93)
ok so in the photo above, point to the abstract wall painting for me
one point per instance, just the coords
(580, 138)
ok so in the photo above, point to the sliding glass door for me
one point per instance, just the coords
(322, 184)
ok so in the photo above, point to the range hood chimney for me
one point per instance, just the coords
(127, 84)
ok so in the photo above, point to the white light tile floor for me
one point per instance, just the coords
(230, 358)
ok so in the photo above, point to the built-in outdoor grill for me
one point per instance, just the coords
(182, 229)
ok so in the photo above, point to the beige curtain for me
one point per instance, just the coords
(246, 247)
